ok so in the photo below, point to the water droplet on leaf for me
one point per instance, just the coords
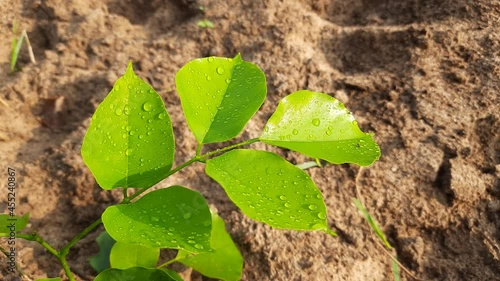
(316, 122)
(220, 70)
(147, 106)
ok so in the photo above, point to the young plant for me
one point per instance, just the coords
(130, 144)
(17, 43)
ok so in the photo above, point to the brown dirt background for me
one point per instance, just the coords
(423, 75)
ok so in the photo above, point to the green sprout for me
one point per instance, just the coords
(17, 43)
(205, 23)
(380, 234)
(130, 145)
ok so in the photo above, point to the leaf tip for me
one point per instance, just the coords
(238, 58)
(330, 232)
(130, 68)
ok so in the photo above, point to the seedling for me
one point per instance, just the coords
(205, 23)
(130, 145)
(17, 43)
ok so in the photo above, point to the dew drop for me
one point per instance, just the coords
(295, 131)
(191, 241)
(186, 215)
(124, 136)
(282, 197)
(316, 122)
(317, 226)
(322, 216)
(220, 70)
(118, 111)
(128, 151)
(210, 59)
(147, 106)
(128, 128)
(141, 137)
(155, 219)
(313, 207)
(228, 81)
(126, 110)
(161, 116)
(287, 205)
(198, 246)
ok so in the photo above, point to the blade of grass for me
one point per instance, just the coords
(30, 50)
(15, 52)
(372, 222)
(396, 272)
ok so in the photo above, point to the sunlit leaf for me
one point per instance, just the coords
(224, 263)
(319, 126)
(174, 217)
(130, 140)
(124, 256)
(134, 274)
(49, 279)
(269, 189)
(13, 223)
(219, 96)
(101, 261)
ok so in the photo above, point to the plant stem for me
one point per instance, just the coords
(61, 254)
(165, 264)
(65, 250)
(198, 149)
(224, 149)
(196, 158)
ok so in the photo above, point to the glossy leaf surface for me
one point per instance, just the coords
(174, 217)
(101, 261)
(319, 126)
(134, 274)
(6, 222)
(219, 96)
(269, 189)
(124, 256)
(130, 140)
(224, 263)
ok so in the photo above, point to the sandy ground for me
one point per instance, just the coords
(424, 76)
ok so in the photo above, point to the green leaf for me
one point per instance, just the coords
(319, 126)
(16, 48)
(219, 96)
(172, 274)
(396, 272)
(130, 140)
(14, 223)
(205, 23)
(101, 261)
(372, 222)
(174, 217)
(125, 255)
(50, 279)
(225, 262)
(269, 189)
(134, 274)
